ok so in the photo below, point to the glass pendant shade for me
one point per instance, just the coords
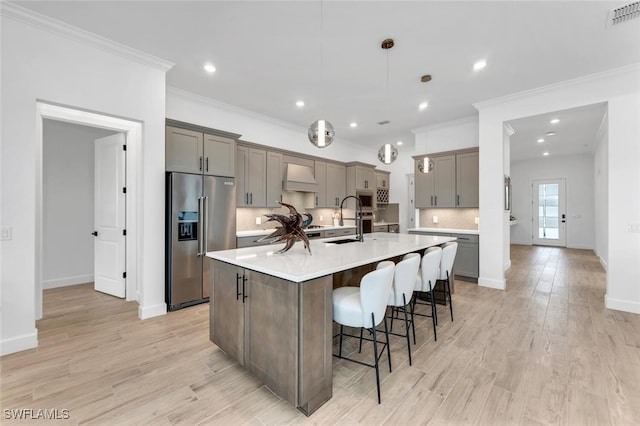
(387, 153)
(321, 133)
(425, 165)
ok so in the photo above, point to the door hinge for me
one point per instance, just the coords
(124, 147)
(124, 189)
(124, 275)
(124, 232)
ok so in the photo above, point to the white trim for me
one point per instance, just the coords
(488, 282)
(508, 265)
(551, 87)
(46, 23)
(603, 263)
(146, 312)
(621, 305)
(133, 131)
(67, 281)
(521, 243)
(579, 246)
(456, 122)
(19, 343)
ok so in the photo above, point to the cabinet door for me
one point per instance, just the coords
(274, 179)
(466, 262)
(336, 184)
(365, 178)
(320, 173)
(467, 181)
(382, 180)
(219, 156)
(381, 228)
(444, 170)
(242, 162)
(183, 150)
(257, 177)
(424, 188)
(271, 321)
(226, 312)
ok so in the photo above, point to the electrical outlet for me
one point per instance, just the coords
(320, 218)
(259, 220)
(5, 233)
(476, 220)
(435, 219)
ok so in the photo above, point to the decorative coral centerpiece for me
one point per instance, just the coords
(292, 228)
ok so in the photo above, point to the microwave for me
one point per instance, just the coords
(367, 200)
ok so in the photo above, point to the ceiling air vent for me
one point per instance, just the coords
(624, 13)
(382, 123)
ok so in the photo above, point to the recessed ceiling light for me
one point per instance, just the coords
(353, 124)
(300, 104)
(423, 105)
(550, 133)
(545, 153)
(209, 68)
(479, 65)
(399, 142)
(554, 121)
(540, 140)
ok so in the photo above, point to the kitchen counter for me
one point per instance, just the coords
(297, 265)
(384, 223)
(273, 312)
(446, 230)
(262, 232)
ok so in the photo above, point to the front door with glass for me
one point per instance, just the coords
(549, 214)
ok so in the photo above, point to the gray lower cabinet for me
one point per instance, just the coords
(251, 313)
(467, 264)
(381, 228)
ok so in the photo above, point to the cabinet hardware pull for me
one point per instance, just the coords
(207, 165)
(435, 197)
(457, 200)
(316, 200)
(432, 200)
(200, 163)
(251, 198)
(244, 280)
(246, 196)
(238, 294)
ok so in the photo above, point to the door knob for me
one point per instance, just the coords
(94, 233)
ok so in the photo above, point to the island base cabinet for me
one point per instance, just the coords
(277, 329)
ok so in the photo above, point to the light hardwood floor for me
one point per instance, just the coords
(545, 351)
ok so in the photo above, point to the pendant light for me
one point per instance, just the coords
(425, 165)
(387, 153)
(321, 131)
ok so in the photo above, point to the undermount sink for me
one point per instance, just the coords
(346, 240)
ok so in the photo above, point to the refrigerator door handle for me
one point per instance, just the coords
(205, 220)
(200, 222)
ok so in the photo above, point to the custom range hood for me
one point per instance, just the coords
(299, 178)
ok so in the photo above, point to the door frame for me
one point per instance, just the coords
(535, 207)
(133, 137)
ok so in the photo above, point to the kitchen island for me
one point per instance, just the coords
(273, 312)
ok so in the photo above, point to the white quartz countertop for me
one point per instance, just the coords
(260, 232)
(298, 266)
(446, 230)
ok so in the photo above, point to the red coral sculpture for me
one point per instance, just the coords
(292, 228)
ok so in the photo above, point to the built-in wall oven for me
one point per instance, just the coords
(366, 197)
(367, 222)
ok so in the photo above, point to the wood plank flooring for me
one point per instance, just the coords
(545, 351)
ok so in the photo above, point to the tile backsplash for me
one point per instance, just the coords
(449, 218)
(246, 217)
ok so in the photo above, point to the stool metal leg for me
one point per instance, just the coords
(386, 335)
(406, 326)
(449, 293)
(340, 350)
(375, 353)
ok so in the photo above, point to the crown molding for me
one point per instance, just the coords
(509, 129)
(551, 87)
(46, 23)
(457, 122)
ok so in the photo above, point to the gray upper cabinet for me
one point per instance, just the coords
(336, 184)
(251, 177)
(275, 170)
(320, 173)
(438, 187)
(361, 176)
(183, 150)
(219, 156)
(467, 180)
(190, 151)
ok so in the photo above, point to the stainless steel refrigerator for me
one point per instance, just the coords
(201, 217)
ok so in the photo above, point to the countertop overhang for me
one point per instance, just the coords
(446, 230)
(297, 265)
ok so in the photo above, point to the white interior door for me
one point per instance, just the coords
(110, 239)
(549, 213)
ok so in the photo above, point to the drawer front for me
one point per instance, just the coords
(380, 228)
(467, 238)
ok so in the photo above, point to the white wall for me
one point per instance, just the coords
(69, 70)
(601, 192)
(621, 89)
(580, 204)
(68, 203)
(449, 136)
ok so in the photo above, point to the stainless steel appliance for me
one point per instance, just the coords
(200, 217)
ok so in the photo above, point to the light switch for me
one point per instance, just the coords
(435, 219)
(5, 233)
(259, 220)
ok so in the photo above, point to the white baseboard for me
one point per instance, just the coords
(603, 263)
(63, 282)
(621, 305)
(487, 282)
(580, 247)
(507, 265)
(19, 343)
(146, 312)
(522, 243)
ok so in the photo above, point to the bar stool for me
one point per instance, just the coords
(364, 307)
(426, 280)
(402, 291)
(446, 270)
